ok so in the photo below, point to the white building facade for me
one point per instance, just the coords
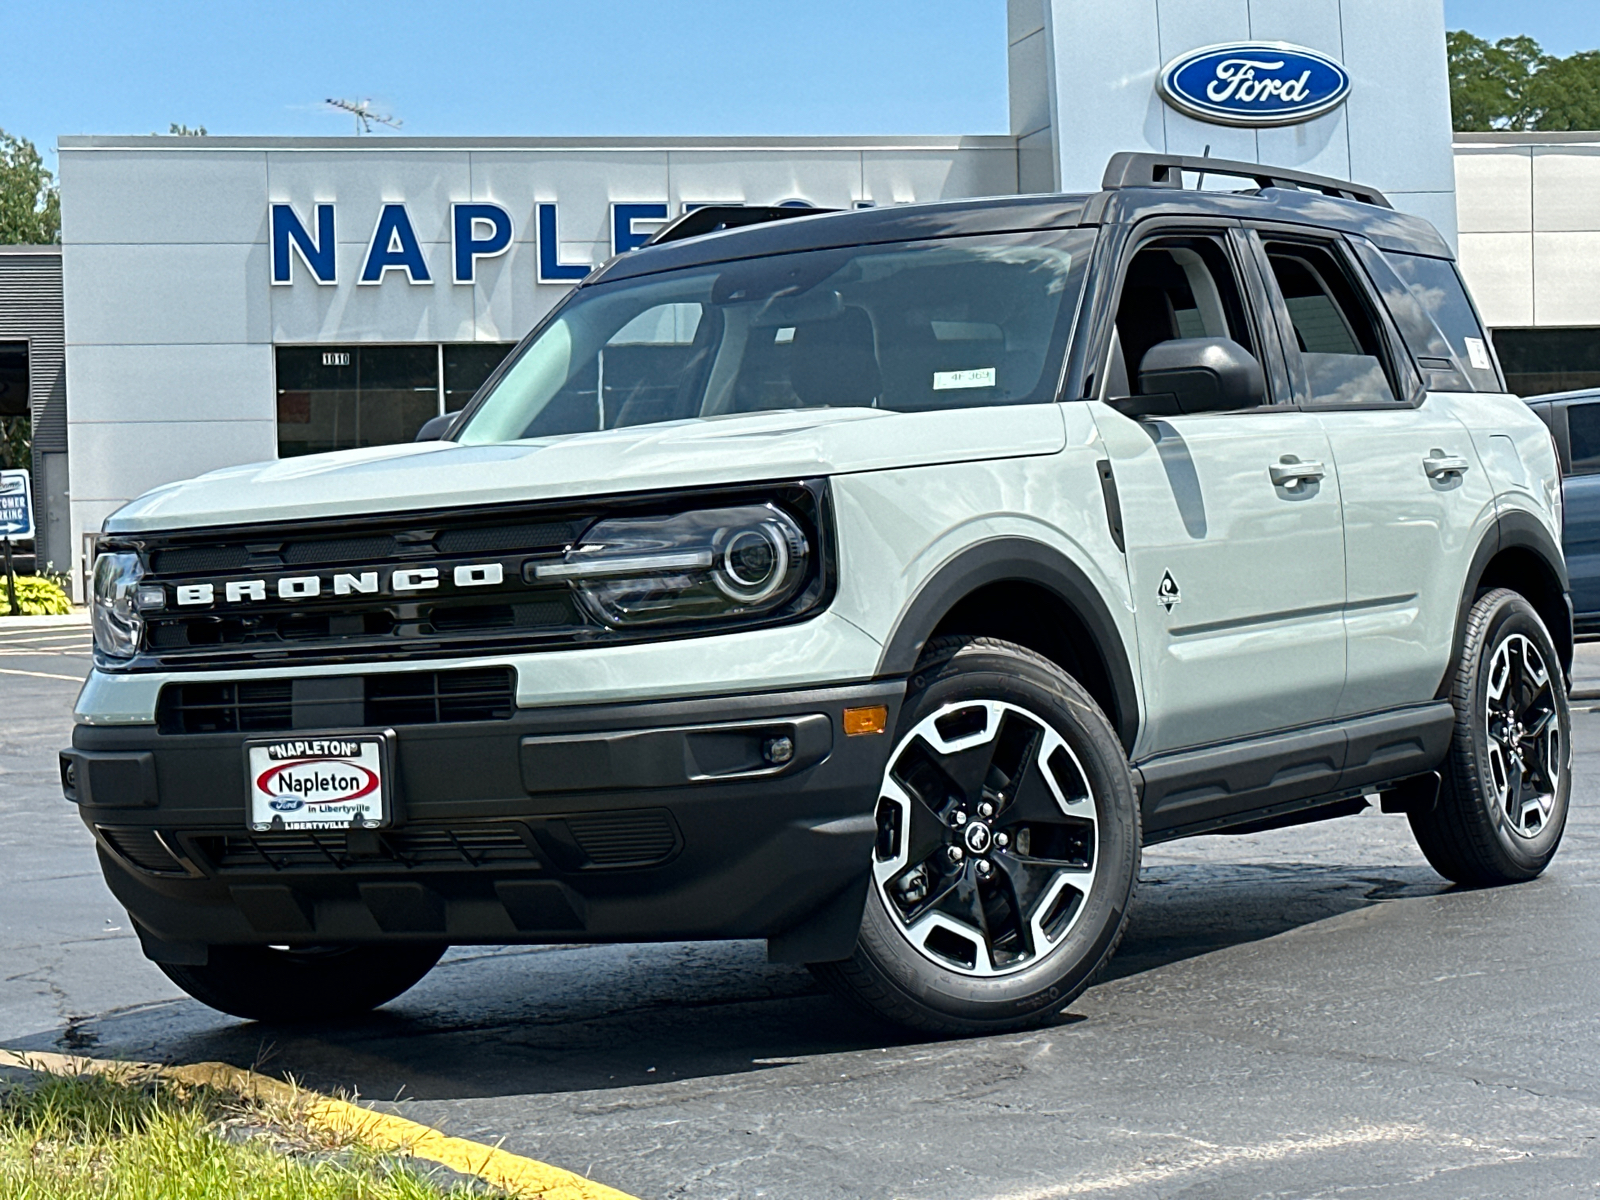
(1529, 215)
(235, 299)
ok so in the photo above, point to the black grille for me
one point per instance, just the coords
(408, 698)
(547, 536)
(144, 849)
(337, 550)
(186, 560)
(256, 706)
(440, 697)
(465, 845)
(614, 839)
(356, 607)
(434, 584)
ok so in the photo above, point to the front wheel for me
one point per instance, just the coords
(1503, 802)
(317, 983)
(1008, 847)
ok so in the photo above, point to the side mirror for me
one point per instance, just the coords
(1195, 375)
(435, 428)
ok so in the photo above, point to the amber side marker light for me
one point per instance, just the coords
(859, 721)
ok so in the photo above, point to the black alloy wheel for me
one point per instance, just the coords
(986, 837)
(1502, 805)
(1007, 846)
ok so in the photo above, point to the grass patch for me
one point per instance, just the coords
(134, 1136)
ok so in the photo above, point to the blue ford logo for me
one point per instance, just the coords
(286, 804)
(1254, 83)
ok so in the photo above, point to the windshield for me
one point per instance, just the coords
(908, 327)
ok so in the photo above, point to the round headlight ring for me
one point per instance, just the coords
(753, 563)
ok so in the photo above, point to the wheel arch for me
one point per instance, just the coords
(1023, 591)
(1518, 553)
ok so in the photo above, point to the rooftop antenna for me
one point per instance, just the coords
(363, 112)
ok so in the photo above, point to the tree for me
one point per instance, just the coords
(1514, 85)
(30, 214)
(30, 205)
(16, 442)
(1566, 94)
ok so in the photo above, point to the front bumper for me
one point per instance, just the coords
(629, 822)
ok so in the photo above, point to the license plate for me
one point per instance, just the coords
(317, 783)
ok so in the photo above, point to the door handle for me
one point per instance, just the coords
(1292, 474)
(1438, 464)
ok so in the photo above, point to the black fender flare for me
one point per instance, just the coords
(1006, 559)
(1514, 529)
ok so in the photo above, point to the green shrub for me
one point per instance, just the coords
(36, 597)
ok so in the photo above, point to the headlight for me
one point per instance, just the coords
(118, 626)
(695, 566)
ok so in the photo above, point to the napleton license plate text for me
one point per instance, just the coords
(316, 783)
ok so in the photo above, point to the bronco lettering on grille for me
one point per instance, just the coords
(400, 581)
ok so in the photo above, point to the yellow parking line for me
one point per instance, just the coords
(41, 674)
(521, 1177)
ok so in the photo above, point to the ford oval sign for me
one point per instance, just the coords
(1254, 83)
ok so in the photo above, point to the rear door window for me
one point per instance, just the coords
(1438, 288)
(1342, 346)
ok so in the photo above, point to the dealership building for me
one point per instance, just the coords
(227, 300)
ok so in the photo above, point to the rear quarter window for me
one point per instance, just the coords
(1438, 288)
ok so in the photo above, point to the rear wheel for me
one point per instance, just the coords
(1503, 802)
(1008, 847)
(316, 983)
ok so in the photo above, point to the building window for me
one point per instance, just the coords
(466, 367)
(1540, 361)
(13, 379)
(343, 397)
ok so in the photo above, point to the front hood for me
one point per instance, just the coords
(746, 448)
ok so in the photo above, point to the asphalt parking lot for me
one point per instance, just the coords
(1310, 1012)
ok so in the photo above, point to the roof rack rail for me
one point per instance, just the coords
(709, 218)
(1166, 170)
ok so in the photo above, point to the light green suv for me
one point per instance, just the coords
(877, 584)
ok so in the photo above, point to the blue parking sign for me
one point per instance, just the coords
(16, 506)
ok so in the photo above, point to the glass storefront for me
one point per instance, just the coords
(342, 397)
(466, 367)
(1540, 361)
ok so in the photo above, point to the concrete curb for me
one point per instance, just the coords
(1587, 691)
(526, 1178)
(78, 616)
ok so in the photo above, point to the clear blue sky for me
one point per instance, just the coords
(546, 67)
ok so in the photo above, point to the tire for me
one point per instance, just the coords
(944, 947)
(1507, 779)
(265, 983)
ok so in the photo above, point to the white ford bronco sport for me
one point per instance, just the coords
(875, 583)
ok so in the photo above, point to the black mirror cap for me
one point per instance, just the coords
(434, 428)
(1196, 375)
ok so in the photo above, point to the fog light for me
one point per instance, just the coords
(859, 721)
(778, 750)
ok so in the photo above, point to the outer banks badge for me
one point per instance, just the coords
(1167, 593)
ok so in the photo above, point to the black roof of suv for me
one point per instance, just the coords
(1135, 186)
